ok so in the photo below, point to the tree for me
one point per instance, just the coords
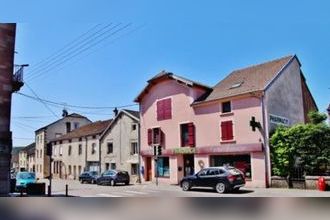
(306, 145)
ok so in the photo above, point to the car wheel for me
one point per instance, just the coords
(220, 188)
(185, 186)
(112, 183)
(126, 183)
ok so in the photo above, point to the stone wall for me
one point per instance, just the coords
(310, 183)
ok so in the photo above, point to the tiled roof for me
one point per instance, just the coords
(30, 148)
(95, 128)
(132, 112)
(250, 79)
(168, 75)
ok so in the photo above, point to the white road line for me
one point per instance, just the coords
(106, 195)
(136, 192)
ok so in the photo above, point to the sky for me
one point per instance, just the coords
(200, 40)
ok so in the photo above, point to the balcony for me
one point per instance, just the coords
(18, 77)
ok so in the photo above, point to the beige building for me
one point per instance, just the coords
(78, 151)
(54, 130)
(30, 157)
(120, 144)
(22, 160)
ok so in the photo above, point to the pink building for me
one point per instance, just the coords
(200, 126)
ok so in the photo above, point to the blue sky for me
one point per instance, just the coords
(201, 40)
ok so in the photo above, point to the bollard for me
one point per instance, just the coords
(49, 191)
(66, 190)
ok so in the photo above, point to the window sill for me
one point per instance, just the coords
(228, 142)
(226, 114)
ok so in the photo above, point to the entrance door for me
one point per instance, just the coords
(148, 171)
(189, 164)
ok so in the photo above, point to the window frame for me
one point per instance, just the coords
(222, 107)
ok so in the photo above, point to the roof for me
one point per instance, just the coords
(73, 115)
(30, 148)
(16, 150)
(249, 79)
(94, 128)
(136, 114)
(131, 113)
(163, 75)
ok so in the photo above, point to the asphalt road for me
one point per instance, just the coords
(151, 190)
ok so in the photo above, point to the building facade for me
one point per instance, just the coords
(199, 126)
(78, 151)
(120, 144)
(54, 130)
(30, 157)
(23, 162)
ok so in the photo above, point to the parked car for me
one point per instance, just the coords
(88, 177)
(113, 177)
(222, 179)
(24, 178)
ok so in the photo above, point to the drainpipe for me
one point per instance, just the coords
(266, 143)
(100, 152)
(139, 150)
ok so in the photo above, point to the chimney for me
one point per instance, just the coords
(115, 112)
(65, 113)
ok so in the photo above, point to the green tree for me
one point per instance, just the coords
(317, 117)
(305, 144)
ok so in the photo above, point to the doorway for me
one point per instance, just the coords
(189, 164)
(148, 170)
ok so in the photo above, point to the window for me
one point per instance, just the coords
(164, 109)
(134, 169)
(226, 107)
(227, 131)
(154, 136)
(54, 150)
(80, 149)
(68, 127)
(94, 137)
(93, 148)
(69, 150)
(70, 171)
(80, 139)
(241, 162)
(134, 127)
(134, 148)
(61, 150)
(163, 167)
(76, 125)
(187, 135)
(113, 166)
(110, 148)
(107, 166)
(41, 153)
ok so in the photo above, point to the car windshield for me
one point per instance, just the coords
(26, 176)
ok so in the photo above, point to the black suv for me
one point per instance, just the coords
(88, 177)
(112, 177)
(222, 179)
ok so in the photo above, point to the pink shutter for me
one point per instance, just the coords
(223, 131)
(230, 130)
(167, 109)
(191, 134)
(227, 130)
(160, 110)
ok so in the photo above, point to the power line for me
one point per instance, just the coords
(77, 52)
(42, 62)
(75, 106)
(66, 52)
(40, 100)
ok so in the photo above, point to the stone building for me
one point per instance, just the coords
(49, 132)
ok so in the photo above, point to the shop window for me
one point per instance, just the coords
(163, 167)
(227, 131)
(241, 162)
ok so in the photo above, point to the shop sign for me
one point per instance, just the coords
(184, 150)
(279, 120)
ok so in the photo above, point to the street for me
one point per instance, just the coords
(77, 189)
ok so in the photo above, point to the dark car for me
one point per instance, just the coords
(222, 179)
(113, 177)
(88, 177)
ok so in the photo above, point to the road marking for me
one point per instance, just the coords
(106, 195)
(136, 192)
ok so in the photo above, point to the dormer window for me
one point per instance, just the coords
(236, 85)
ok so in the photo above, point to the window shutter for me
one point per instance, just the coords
(160, 110)
(167, 109)
(227, 130)
(162, 137)
(149, 137)
(191, 134)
